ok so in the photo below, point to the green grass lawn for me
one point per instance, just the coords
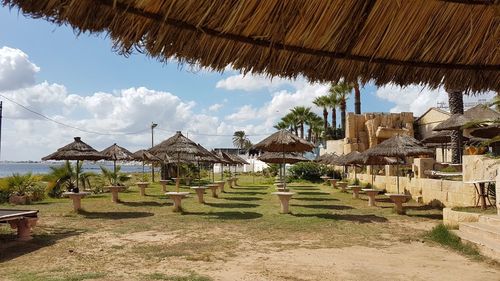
(91, 244)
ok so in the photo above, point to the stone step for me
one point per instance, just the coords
(493, 220)
(481, 230)
(487, 247)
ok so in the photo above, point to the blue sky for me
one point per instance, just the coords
(81, 81)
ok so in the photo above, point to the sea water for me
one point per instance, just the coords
(8, 168)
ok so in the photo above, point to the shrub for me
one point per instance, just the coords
(308, 171)
(271, 171)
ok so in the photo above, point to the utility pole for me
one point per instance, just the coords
(153, 125)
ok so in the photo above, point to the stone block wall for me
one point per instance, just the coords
(367, 130)
(430, 191)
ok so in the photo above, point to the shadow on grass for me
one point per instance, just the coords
(346, 217)
(145, 203)
(427, 216)
(114, 215)
(242, 198)
(326, 207)
(232, 205)
(314, 199)
(10, 248)
(251, 187)
(246, 193)
(227, 215)
(312, 193)
(303, 188)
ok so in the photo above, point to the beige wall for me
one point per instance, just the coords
(429, 120)
(479, 167)
(333, 146)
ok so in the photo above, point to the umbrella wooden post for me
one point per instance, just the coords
(114, 172)
(177, 181)
(397, 176)
(77, 176)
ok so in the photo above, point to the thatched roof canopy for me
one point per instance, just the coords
(436, 42)
(400, 146)
(455, 122)
(346, 159)
(144, 155)
(279, 158)
(284, 141)
(178, 144)
(207, 156)
(238, 159)
(77, 150)
(481, 112)
(487, 132)
(438, 137)
(326, 158)
(117, 153)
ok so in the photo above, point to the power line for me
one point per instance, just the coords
(67, 125)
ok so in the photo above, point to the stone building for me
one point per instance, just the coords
(427, 121)
(369, 129)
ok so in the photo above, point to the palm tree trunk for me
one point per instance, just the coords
(456, 104)
(302, 129)
(357, 99)
(342, 116)
(325, 118)
(334, 118)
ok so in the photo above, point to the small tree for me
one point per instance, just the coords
(115, 178)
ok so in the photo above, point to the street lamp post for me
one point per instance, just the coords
(153, 125)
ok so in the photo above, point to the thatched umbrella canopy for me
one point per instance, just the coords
(77, 150)
(283, 141)
(277, 158)
(487, 132)
(177, 145)
(404, 42)
(117, 153)
(438, 137)
(400, 147)
(455, 122)
(481, 112)
(143, 155)
(326, 158)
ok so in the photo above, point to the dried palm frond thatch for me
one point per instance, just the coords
(438, 137)
(437, 42)
(77, 150)
(400, 146)
(487, 132)
(144, 155)
(326, 158)
(117, 153)
(455, 122)
(284, 141)
(481, 112)
(279, 158)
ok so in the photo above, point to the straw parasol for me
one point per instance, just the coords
(346, 160)
(404, 42)
(117, 153)
(178, 145)
(455, 122)
(77, 150)
(143, 155)
(487, 132)
(399, 147)
(326, 158)
(277, 158)
(283, 141)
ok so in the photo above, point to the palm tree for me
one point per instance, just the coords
(291, 120)
(301, 113)
(114, 176)
(64, 176)
(239, 139)
(324, 102)
(357, 98)
(311, 118)
(316, 128)
(456, 104)
(281, 125)
(340, 92)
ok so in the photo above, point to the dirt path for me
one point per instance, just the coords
(414, 261)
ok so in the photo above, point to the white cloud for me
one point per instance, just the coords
(16, 71)
(215, 107)
(251, 83)
(418, 99)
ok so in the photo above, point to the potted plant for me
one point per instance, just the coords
(20, 186)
